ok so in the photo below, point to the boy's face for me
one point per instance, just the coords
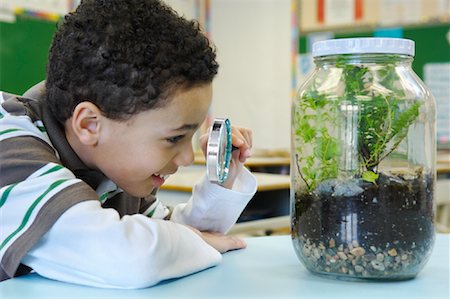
(135, 154)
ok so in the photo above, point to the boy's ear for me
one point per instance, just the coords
(86, 123)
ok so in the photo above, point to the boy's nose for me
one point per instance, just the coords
(185, 157)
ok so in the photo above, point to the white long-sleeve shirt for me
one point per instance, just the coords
(93, 246)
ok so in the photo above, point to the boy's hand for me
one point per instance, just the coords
(220, 242)
(241, 139)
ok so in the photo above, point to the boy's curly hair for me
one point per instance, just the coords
(125, 56)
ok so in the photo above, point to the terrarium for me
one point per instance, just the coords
(363, 162)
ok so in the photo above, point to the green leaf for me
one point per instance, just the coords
(370, 176)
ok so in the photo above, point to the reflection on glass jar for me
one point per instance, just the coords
(363, 162)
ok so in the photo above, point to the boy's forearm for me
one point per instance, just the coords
(215, 208)
(93, 246)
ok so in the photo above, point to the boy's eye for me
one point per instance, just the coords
(175, 139)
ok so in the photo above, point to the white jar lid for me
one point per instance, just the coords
(365, 45)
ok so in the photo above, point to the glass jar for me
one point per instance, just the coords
(363, 162)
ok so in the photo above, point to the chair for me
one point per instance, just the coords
(442, 198)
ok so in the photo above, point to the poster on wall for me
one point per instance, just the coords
(6, 12)
(42, 9)
(437, 78)
(339, 12)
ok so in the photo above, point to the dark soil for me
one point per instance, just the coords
(385, 231)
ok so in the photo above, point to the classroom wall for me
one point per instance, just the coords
(253, 87)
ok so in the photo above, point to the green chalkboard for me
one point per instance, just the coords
(431, 43)
(24, 46)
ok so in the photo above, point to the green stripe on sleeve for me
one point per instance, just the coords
(9, 131)
(30, 211)
(53, 169)
(6, 194)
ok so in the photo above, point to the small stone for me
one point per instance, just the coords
(342, 256)
(332, 243)
(387, 263)
(327, 269)
(380, 257)
(344, 270)
(358, 251)
(316, 253)
(355, 243)
(373, 248)
(377, 265)
(392, 252)
(404, 257)
(368, 257)
(306, 250)
(359, 269)
(341, 247)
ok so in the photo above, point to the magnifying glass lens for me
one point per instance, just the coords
(218, 152)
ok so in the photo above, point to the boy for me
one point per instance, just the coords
(128, 84)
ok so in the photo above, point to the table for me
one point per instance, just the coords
(270, 200)
(443, 162)
(185, 179)
(268, 268)
(267, 164)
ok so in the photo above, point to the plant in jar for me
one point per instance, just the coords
(361, 208)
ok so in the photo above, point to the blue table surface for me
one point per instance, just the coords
(267, 268)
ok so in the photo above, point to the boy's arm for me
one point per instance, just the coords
(94, 246)
(215, 208)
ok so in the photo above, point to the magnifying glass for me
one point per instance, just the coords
(218, 151)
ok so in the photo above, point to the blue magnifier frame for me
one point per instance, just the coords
(218, 151)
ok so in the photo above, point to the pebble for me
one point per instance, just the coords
(392, 252)
(332, 243)
(358, 251)
(316, 253)
(380, 257)
(377, 265)
(342, 256)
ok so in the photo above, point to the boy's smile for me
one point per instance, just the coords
(137, 154)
